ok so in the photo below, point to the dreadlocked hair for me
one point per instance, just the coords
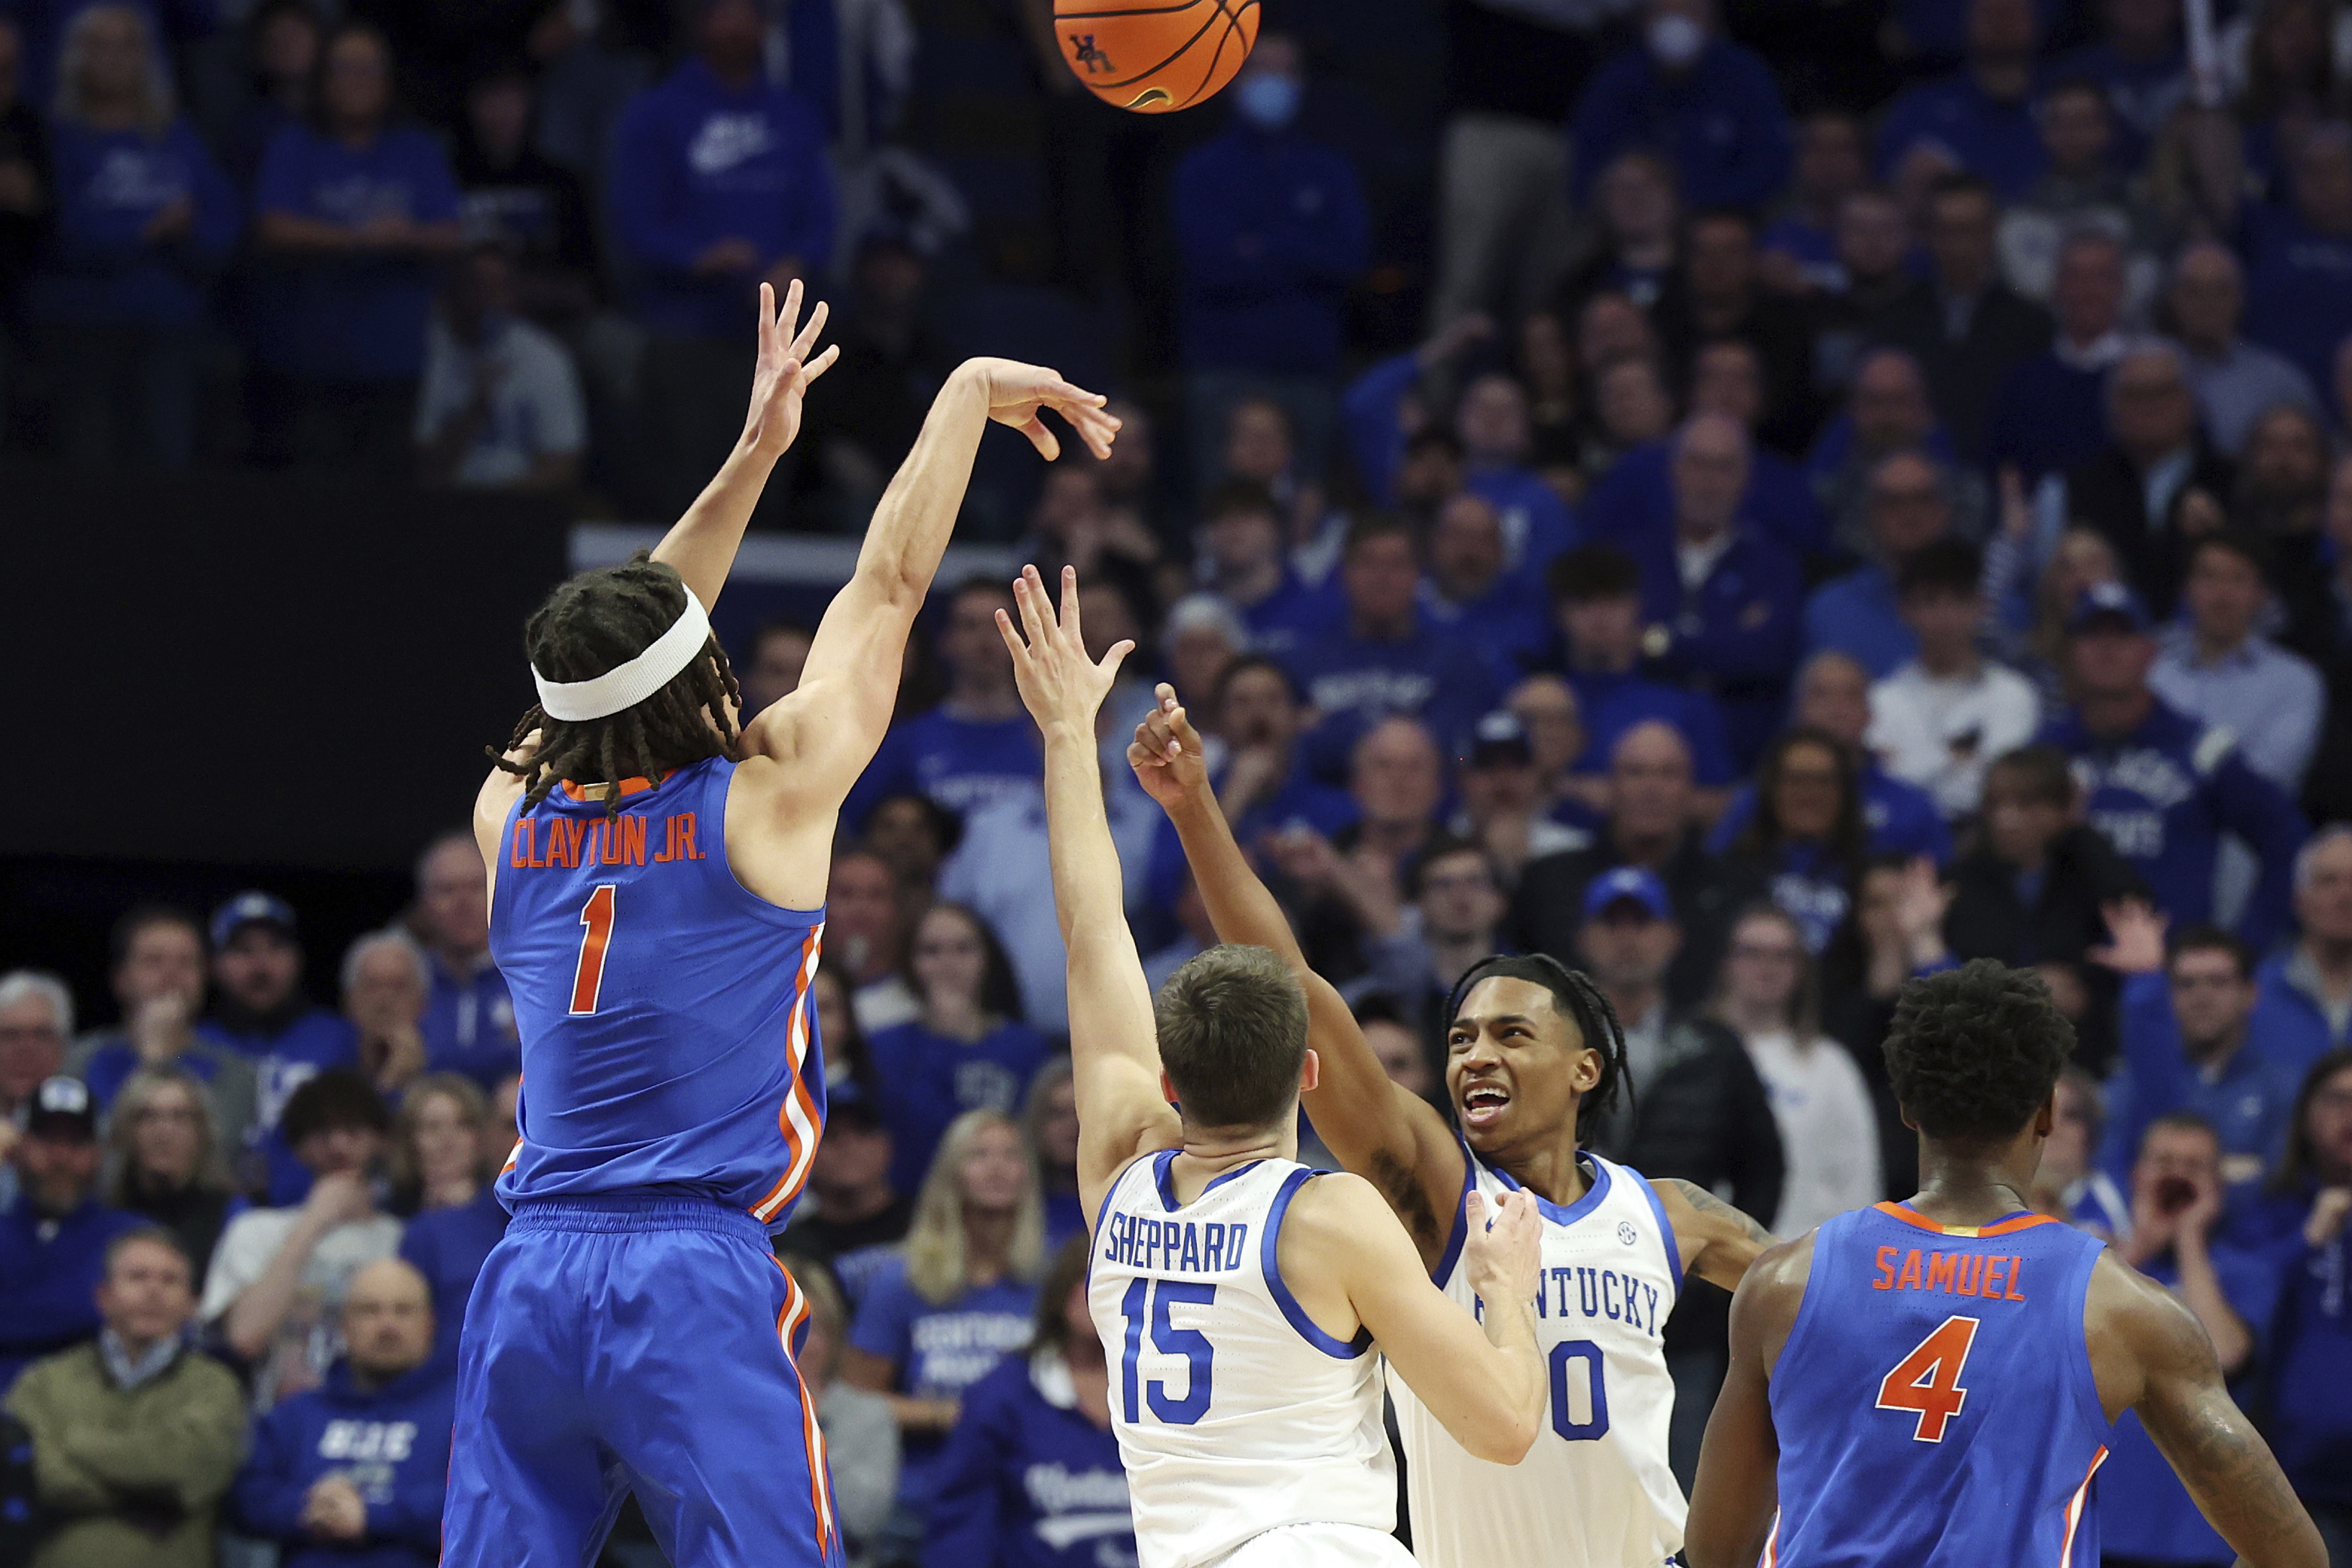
(1580, 1002)
(592, 623)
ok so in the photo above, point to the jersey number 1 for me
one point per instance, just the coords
(1927, 1381)
(588, 980)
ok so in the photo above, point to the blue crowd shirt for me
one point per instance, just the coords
(2298, 289)
(351, 320)
(2141, 94)
(1355, 682)
(448, 1247)
(1735, 635)
(468, 1023)
(48, 1270)
(1902, 818)
(1299, 802)
(1537, 526)
(1857, 616)
(1511, 623)
(1997, 140)
(938, 1352)
(694, 162)
(109, 185)
(1634, 501)
(2146, 1515)
(1296, 612)
(1271, 229)
(1028, 1481)
(284, 1060)
(2309, 1347)
(2164, 795)
(2288, 1024)
(932, 1080)
(962, 763)
(1721, 124)
(2048, 416)
(2249, 1101)
(391, 1444)
(1612, 704)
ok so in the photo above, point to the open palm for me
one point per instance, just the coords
(784, 370)
(1057, 680)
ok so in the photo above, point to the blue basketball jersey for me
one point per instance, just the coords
(669, 1043)
(1935, 1403)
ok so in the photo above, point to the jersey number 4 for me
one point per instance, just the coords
(588, 979)
(1927, 1381)
(1168, 1340)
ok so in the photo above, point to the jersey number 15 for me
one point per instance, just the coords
(1142, 1302)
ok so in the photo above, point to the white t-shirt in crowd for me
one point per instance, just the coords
(1829, 1128)
(535, 409)
(1941, 732)
(254, 1238)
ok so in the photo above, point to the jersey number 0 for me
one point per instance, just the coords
(1927, 1381)
(588, 979)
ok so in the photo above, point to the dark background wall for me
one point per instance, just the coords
(231, 681)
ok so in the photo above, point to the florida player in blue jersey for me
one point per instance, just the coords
(657, 884)
(1934, 1382)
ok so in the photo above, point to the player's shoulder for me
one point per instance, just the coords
(1334, 1212)
(2123, 1305)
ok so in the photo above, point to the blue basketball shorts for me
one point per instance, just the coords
(636, 1345)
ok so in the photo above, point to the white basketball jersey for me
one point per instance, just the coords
(1595, 1490)
(1236, 1414)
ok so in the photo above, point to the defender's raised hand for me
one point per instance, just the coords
(1166, 754)
(784, 371)
(1057, 680)
(1018, 392)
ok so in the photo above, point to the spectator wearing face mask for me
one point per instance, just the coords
(1271, 230)
(1711, 106)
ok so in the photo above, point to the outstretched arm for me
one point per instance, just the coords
(1381, 1133)
(828, 730)
(1716, 1242)
(702, 544)
(2199, 1428)
(1114, 1044)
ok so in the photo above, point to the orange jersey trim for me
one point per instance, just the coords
(2074, 1510)
(2008, 1226)
(628, 788)
(788, 1321)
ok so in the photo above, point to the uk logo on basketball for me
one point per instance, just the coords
(1083, 53)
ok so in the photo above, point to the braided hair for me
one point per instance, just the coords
(1578, 999)
(592, 623)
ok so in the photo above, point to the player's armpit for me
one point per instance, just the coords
(2209, 1442)
(1379, 1130)
(1716, 1241)
(1342, 1250)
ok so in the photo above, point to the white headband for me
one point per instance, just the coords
(632, 681)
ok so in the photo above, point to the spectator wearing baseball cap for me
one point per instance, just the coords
(259, 1009)
(1504, 807)
(2161, 786)
(53, 1238)
(1697, 1110)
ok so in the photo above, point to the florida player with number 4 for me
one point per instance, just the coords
(1239, 1294)
(1934, 1382)
(1532, 1048)
(657, 884)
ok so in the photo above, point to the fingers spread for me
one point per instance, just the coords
(808, 334)
(1116, 655)
(1012, 640)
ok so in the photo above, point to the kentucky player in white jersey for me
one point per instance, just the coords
(1238, 1293)
(1532, 1045)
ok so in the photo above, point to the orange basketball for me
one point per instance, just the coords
(1151, 56)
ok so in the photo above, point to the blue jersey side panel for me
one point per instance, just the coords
(1995, 1471)
(669, 1043)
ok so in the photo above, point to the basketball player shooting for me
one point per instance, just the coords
(1934, 1382)
(1531, 1046)
(1238, 1293)
(658, 883)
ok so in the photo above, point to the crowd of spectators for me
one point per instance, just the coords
(1873, 493)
